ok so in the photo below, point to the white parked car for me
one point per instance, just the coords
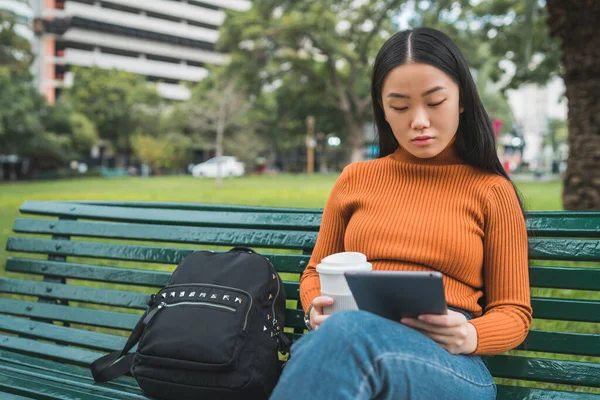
(230, 167)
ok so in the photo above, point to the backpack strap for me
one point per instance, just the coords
(117, 363)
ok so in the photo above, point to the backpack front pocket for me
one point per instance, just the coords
(204, 326)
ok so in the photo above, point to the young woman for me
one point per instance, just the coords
(437, 199)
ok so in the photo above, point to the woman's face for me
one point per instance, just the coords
(422, 105)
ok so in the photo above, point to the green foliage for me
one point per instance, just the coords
(558, 133)
(51, 150)
(15, 50)
(496, 32)
(20, 110)
(321, 52)
(84, 133)
(116, 102)
(170, 151)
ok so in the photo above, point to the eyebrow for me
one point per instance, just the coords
(425, 93)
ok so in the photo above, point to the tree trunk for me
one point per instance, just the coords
(575, 22)
(357, 141)
(221, 123)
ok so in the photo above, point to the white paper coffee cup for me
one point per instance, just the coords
(333, 282)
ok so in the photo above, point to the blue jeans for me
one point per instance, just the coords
(358, 355)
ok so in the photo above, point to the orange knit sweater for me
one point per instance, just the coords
(437, 214)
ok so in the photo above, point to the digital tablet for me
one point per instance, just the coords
(398, 294)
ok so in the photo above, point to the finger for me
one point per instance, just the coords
(322, 301)
(319, 319)
(453, 318)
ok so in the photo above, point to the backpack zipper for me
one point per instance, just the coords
(278, 289)
(200, 303)
(162, 305)
(216, 286)
(283, 341)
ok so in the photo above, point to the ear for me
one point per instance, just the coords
(461, 109)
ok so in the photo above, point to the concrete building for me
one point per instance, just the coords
(167, 41)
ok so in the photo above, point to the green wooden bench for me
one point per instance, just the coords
(60, 310)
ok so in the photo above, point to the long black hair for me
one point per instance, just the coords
(475, 142)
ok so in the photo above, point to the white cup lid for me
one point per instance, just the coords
(343, 262)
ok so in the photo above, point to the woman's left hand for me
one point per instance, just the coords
(452, 331)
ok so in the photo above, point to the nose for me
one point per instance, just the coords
(420, 119)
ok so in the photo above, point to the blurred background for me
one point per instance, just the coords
(120, 93)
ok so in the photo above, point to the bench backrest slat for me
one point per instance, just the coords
(307, 221)
(293, 263)
(76, 315)
(154, 279)
(284, 239)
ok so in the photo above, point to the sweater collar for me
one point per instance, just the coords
(448, 156)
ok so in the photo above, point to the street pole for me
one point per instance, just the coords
(310, 145)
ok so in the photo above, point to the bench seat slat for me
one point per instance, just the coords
(293, 263)
(564, 249)
(56, 387)
(525, 393)
(60, 334)
(544, 370)
(76, 315)
(562, 342)
(40, 389)
(156, 279)
(174, 234)
(53, 368)
(301, 221)
(49, 351)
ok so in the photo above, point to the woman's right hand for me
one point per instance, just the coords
(316, 314)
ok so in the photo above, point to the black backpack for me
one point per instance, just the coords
(214, 332)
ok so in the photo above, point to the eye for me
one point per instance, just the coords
(436, 104)
(400, 108)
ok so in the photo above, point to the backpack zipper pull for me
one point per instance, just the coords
(152, 313)
(284, 343)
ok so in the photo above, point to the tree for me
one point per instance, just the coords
(218, 104)
(84, 133)
(15, 50)
(116, 102)
(279, 116)
(170, 151)
(330, 42)
(575, 24)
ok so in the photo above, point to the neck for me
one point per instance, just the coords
(448, 156)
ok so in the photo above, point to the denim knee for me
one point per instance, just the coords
(347, 320)
(346, 326)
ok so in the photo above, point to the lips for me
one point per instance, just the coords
(421, 138)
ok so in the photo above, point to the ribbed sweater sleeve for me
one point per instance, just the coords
(330, 239)
(507, 313)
